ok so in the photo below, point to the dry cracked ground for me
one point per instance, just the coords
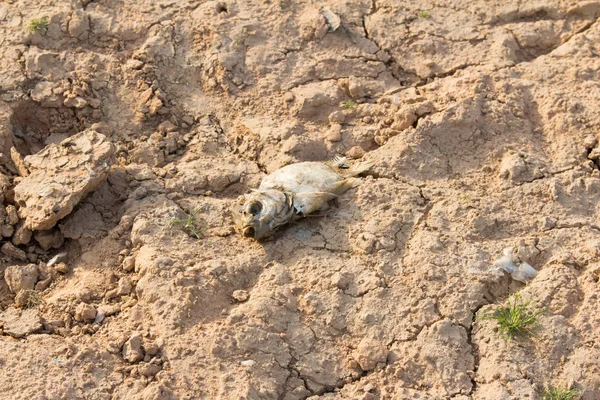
(129, 129)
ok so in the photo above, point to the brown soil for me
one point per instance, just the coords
(130, 119)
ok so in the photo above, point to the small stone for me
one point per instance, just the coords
(337, 117)
(43, 285)
(240, 295)
(149, 369)
(288, 97)
(52, 238)
(75, 102)
(99, 316)
(132, 349)
(21, 323)
(355, 152)
(369, 353)
(22, 234)
(134, 64)
(21, 277)
(335, 133)
(247, 363)
(548, 223)
(151, 348)
(12, 218)
(7, 230)
(124, 286)
(61, 268)
(128, 264)
(85, 312)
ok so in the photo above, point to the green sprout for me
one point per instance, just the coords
(348, 104)
(188, 224)
(39, 25)
(516, 318)
(559, 393)
(33, 298)
(423, 14)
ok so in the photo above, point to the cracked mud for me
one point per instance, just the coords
(128, 130)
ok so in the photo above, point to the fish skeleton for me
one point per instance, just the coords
(293, 192)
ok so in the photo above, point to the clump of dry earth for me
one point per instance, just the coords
(128, 129)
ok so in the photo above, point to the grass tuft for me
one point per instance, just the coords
(188, 224)
(39, 25)
(423, 14)
(560, 393)
(348, 104)
(33, 298)
(517, 318)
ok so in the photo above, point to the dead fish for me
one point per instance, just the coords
(293, 192)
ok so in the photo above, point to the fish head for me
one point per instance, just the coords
(260, 212)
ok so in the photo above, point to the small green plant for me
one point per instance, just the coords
(423, 14)
(29, 298)
(38, 25)
(188, 224)
(560, 393)
(348, 104)
(517, 318)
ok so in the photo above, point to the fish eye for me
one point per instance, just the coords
(255, 208)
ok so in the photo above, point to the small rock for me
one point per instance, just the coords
(21, 323)
(7, 230)
(133, 64)
(355, 152)
(17, 159)
(21, 277)
(335, 133)
(124, 286)
(12, 218)
(85, 312)
(288, 97)
(59, 179)
(49, 239)
(240, 295)
(22, 234)
(61, 268)
(132, 349)
(128, 263)
(369, 353)
(247, 363)
(75, 102)
(43, 285)
(151, 348)
(149, 369)
(337, 117)
(99, 316)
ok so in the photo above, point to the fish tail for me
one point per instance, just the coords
(360, 168)
(346, 184)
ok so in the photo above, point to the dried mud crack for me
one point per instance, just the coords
(126, 138)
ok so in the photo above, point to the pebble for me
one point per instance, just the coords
(335, 133)
(337, 117)
(61, 268)
(11, 250)
(288, 97)
(355, 152)
(124, 286)
(21, 277)
(240, 295)
(85, 312)
(132, 349)
(247, 363)
(128, 263)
